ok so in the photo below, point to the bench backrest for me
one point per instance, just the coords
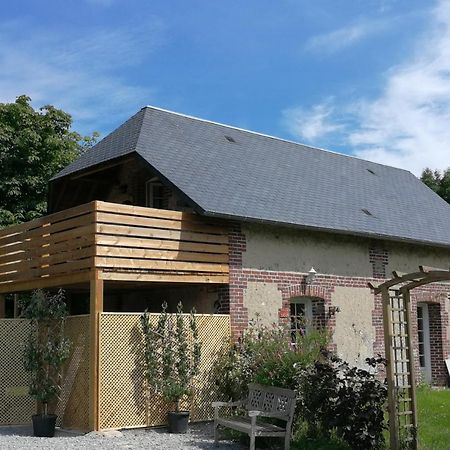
(274, 400)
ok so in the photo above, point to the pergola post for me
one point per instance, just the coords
(96, 307)
(410, 353)
(390, 377)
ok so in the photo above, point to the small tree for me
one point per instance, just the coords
(47, 349)
(171, 356)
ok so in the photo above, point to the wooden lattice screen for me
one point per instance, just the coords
(73, 407)
(123, 397)
(401, 379)
(16, 406)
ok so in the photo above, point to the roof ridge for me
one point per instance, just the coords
(188, 116)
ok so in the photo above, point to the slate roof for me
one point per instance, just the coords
(266, 179)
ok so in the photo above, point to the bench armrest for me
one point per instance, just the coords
(217, 405)
(268, 414)
(224, 404)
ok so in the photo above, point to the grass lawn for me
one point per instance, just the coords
(434, 418)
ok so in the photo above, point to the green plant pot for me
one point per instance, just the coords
(178, 422)
(44, 425)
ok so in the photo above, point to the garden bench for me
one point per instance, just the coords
(262, 402)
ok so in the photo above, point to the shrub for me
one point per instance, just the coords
(47, 349)
(267, 356)
(347, 401)
(171, 358)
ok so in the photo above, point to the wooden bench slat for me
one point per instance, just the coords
(244, 424)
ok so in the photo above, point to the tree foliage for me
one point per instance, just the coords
(34, 146)
(438, 181)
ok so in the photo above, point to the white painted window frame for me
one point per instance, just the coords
(308, 302)
(426, 370)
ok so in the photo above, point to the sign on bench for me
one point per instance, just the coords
(262, 402)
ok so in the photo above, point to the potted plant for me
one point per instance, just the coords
(45, 353)
(172, 357)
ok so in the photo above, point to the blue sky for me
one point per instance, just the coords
(364, 77)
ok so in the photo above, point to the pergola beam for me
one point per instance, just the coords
(398, 280)
(424, 276)
(424, 281)
(427, 269)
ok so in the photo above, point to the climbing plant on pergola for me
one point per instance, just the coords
(400, 374)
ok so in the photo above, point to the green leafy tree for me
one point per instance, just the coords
(34, 146)
(438, 181)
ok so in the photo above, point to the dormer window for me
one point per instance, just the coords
(154, 194)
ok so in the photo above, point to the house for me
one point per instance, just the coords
(171, 207)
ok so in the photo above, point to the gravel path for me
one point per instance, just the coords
(199, 437)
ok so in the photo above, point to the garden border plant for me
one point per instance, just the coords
(172, 353)
(348, 402)
(266, 355)
(45, 353)
(337, 402)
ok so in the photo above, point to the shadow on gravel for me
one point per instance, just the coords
(27, 430)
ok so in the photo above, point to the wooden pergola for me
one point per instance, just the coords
(400, 374)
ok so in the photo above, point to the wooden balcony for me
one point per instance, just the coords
(118, 242)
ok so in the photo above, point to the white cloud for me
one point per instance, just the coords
(311, 124)
(344, 37)
(80, 73)
(104, 3)
(408, 125)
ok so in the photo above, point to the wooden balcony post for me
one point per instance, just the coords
(2, 306)
(96, 307)
(16, 306)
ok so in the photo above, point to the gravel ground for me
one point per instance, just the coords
(199, 437)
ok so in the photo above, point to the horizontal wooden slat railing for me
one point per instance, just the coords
(124, 242)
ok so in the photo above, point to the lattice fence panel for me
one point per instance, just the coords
(73, 407)
(16, 406)
(124, 401)
(401, 369)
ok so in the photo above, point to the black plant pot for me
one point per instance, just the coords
(178, 422)
(44, 425)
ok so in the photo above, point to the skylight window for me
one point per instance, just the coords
(229, 139)
(371, 171)
(366, 212)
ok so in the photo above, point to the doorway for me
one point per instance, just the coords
(423, 331)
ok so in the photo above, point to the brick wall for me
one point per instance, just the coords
(293, 284)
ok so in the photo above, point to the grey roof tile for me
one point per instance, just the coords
(263, 178)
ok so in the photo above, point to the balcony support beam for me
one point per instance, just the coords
(96, 308)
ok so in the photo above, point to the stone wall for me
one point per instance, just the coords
(269, 265)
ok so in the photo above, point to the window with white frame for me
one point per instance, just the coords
(300, 316)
